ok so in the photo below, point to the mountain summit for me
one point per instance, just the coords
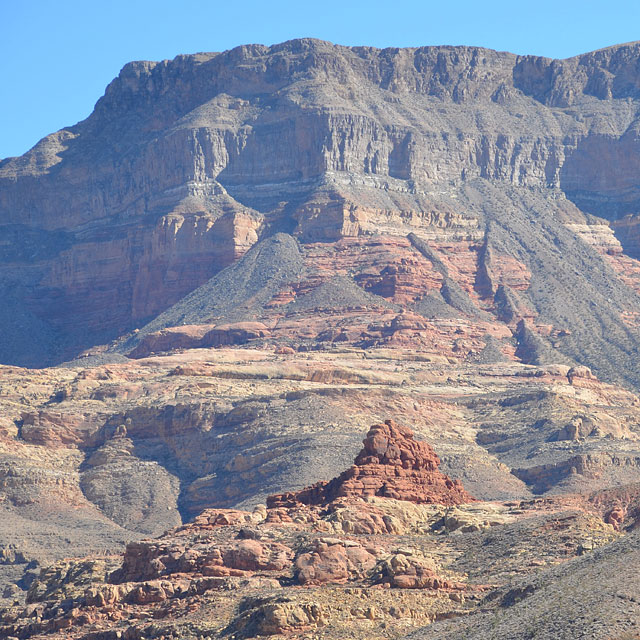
(186, 164)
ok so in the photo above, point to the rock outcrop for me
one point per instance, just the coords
(391, 465)
(237, 574)
(184, 165)
(117, 451)
(264, 251)
(198, 336)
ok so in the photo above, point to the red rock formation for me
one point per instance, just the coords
(197, 336)
(152, 559)
(391, 465)
(333, 560)
(619, 506)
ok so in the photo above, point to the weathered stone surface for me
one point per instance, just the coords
(279, 616)
(182, 167)
(392, 465)
(148, 560)
(334, 561)
(198, 336)
(408, 570)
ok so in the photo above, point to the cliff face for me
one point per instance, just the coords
(309, 239)
(185, 164)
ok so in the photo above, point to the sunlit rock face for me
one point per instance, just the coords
(185, 164)
(391, 465)
(254, 256)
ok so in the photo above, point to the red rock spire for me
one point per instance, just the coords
(391, 465)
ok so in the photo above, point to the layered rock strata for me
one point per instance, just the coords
(186, 164)
(391, 465)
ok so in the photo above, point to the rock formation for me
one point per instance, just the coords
(247, 258)
(391, 465)
(503, 161)
(236, 573)
(117, 451)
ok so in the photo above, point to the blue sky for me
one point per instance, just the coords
(57, 56)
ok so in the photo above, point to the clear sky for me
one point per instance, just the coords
(57, 56)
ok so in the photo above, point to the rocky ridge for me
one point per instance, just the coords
(234, 573)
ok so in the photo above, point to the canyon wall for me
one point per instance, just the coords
(185, 164)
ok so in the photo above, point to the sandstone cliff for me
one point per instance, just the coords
(185, 164)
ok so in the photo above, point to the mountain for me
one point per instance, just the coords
(185, 164)
(240, 261)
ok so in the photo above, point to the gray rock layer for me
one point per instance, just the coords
(185, 164)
